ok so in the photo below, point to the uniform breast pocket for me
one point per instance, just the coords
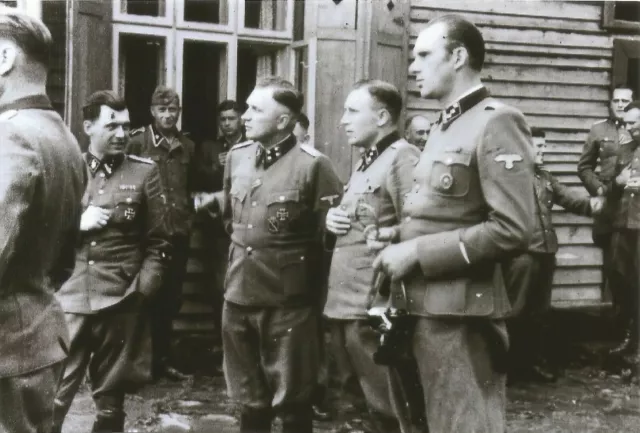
(365, 204)
(238, 196)
(127, 208)
(450, 174)
(283, 211)
(607, 147)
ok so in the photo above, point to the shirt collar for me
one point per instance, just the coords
(267, 157)
(33, 101)
(372, 153)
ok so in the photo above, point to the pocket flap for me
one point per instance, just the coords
(128, 197)
(284, 196)
(450, 158)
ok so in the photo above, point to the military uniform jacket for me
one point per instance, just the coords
(42, 178)
(127, 255)
(471, 204)
(549, 192)
(603, 143)
(179, 171)
(626, 212)
(382, 186)
(276, 217)
(214, 156)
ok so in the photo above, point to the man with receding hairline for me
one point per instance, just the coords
(472, 204)
(276, 195)
(416, 130)
(42, 179)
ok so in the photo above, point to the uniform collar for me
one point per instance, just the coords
(372, 153)
(267, 157)
(40, 102)
(468, 100)
(159, 139)
(108, 165)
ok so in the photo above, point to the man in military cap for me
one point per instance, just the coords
(181, 175)
(119, 265)
(41, 183)
(372, 198)
(416, 130)
(276, 194)
(604, 144)
(472, 203)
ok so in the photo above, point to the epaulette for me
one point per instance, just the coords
(601, 121)
(310, 150)
(9, 114)
(243, 144)
(137, 131)
(140, 159)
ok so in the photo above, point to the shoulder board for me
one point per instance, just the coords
(243, 144)
(601, 121)
(310, 150)
(140, 159)
(10, 114)
(136, 131)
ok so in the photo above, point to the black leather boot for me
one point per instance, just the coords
(109, 422)
(629, 342)
(255, 421)
(298, 420)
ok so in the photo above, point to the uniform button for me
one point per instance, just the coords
(249, 249)
(250, 226)
(173, 204)
(128, 200)
(632, 194)
(91, 262)
(94, 243)
(254, 204)
(101, 191)
(301, 257)
(408, 218)
(281, 198)
(449, 161)
(102, 174)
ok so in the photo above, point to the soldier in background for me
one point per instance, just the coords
(181, 176)
(529, 276)
(41, 184)
(276, 194)
(120, 262)
(380, 180)
(416, 130)
(604, 144)
(213, 155)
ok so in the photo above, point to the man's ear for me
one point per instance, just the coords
(383, 117)
(460, 57)
(283, 121)
(8, 55)
(86, 125)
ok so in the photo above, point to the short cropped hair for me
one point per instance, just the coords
(632, 105)
(303, 120)
(537, 132)
(463, 33)
(29, 33)
(284, 93)
(91, 109)
(385, 93)
(622, 86)
(164, 95)
(230, 104)
(407, 123)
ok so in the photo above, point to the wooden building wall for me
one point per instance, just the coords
(553, 61)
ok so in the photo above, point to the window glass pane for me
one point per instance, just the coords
(154, 8)
(254, 61)
(298, 20)
(206, 11)
(628, 11)
(9, 3)
(54, 15)
(203, 87)
(141, 70)
(265, 14)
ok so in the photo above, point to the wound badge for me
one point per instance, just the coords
(129, 213)
(446, 181)
(273, 225)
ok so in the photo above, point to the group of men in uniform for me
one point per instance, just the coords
(435, 236)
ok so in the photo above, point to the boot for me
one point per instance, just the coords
(629, 342)
(108, 422)
(255, 421)
(298, 421)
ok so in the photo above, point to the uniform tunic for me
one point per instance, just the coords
(275, 202)
(41, 183)
(472, 204)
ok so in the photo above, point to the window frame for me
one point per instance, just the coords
(283, 35)
(230, 27)
(166, 20)
(609, 22)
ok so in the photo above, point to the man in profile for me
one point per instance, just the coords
(42, 179)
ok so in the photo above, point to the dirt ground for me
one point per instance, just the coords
(584, 400)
